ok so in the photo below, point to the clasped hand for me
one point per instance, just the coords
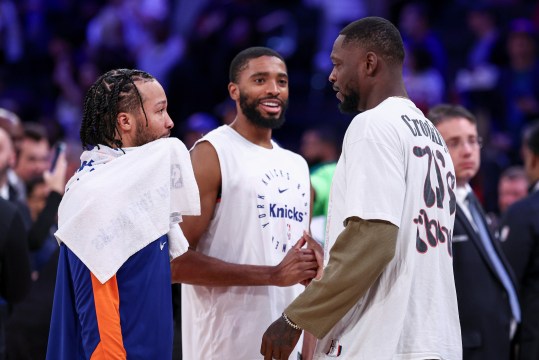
(300, 265)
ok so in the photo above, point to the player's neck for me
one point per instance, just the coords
(255, 134)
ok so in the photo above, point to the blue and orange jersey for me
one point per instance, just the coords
(129, 316)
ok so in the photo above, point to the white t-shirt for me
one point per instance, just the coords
(396, 167)
(263, 211)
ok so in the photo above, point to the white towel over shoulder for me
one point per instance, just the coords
(118, 203)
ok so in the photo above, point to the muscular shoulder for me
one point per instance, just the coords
(205, 162)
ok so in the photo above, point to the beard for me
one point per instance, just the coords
(143, 134)
(350, 103)
(250, 110)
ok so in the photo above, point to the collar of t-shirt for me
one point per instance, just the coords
(461, 193)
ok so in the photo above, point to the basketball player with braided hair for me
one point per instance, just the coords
(118, 225)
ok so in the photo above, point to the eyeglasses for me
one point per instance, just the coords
(457, 143)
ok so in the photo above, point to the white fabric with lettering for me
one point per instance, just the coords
(120, 201)
(262, 213)
(395, 167)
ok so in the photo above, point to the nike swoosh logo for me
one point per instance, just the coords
(282, 191)
(162, 245)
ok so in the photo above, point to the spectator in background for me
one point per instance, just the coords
(7, 161)
(424, 82)
(8, 191)
(72, 79)
(11, 37)
(161, 52)
(513, 186)
(12, 126)
(196, 126)
(414, 24)
(33, 161)
(478, 78)
(520, 241)
(34, 153)
(519, 82)
(226, 111)
(334, 15)
(28, 326)
(44, 194)
(37, 193)
(14, 263)
(320, 146)
(11, 123)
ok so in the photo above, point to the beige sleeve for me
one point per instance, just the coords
(358, 257)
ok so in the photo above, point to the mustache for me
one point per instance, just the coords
(271, 98)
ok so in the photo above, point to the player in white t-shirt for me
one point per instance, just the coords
(245, 261)
(387, 291)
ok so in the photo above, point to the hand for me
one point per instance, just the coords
(56, 181)
(298, 265)
(279, 340)
(318, 252)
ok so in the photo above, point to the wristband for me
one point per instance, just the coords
(289, 322)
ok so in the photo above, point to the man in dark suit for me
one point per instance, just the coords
(487, 299)
(14, 263)
(520, 242)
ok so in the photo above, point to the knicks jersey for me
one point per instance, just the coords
(263, 211)
(130, 316)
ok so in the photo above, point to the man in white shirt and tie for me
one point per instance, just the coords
(487, 299)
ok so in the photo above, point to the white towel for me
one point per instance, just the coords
(117, 203)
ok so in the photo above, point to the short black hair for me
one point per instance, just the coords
(513, 173)
(443, 112)
(112, 93)
(35, 131)
(239, 63)
(378, 35)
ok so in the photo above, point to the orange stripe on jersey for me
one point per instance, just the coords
(107, 309)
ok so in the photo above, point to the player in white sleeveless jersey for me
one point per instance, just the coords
(388, 290)
(245, 263)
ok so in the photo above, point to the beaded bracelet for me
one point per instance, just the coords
(289, 322)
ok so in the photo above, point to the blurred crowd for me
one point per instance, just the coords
(482, 55)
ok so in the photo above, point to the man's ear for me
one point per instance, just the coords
(125, 121)
(371, 63)
(233, 91)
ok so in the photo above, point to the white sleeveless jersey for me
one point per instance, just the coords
(262, 212)
(395, 166)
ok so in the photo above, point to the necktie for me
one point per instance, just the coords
(495, 259)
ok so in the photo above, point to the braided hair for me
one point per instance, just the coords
(112, 93)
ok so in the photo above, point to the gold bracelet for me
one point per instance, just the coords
(289, 322)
